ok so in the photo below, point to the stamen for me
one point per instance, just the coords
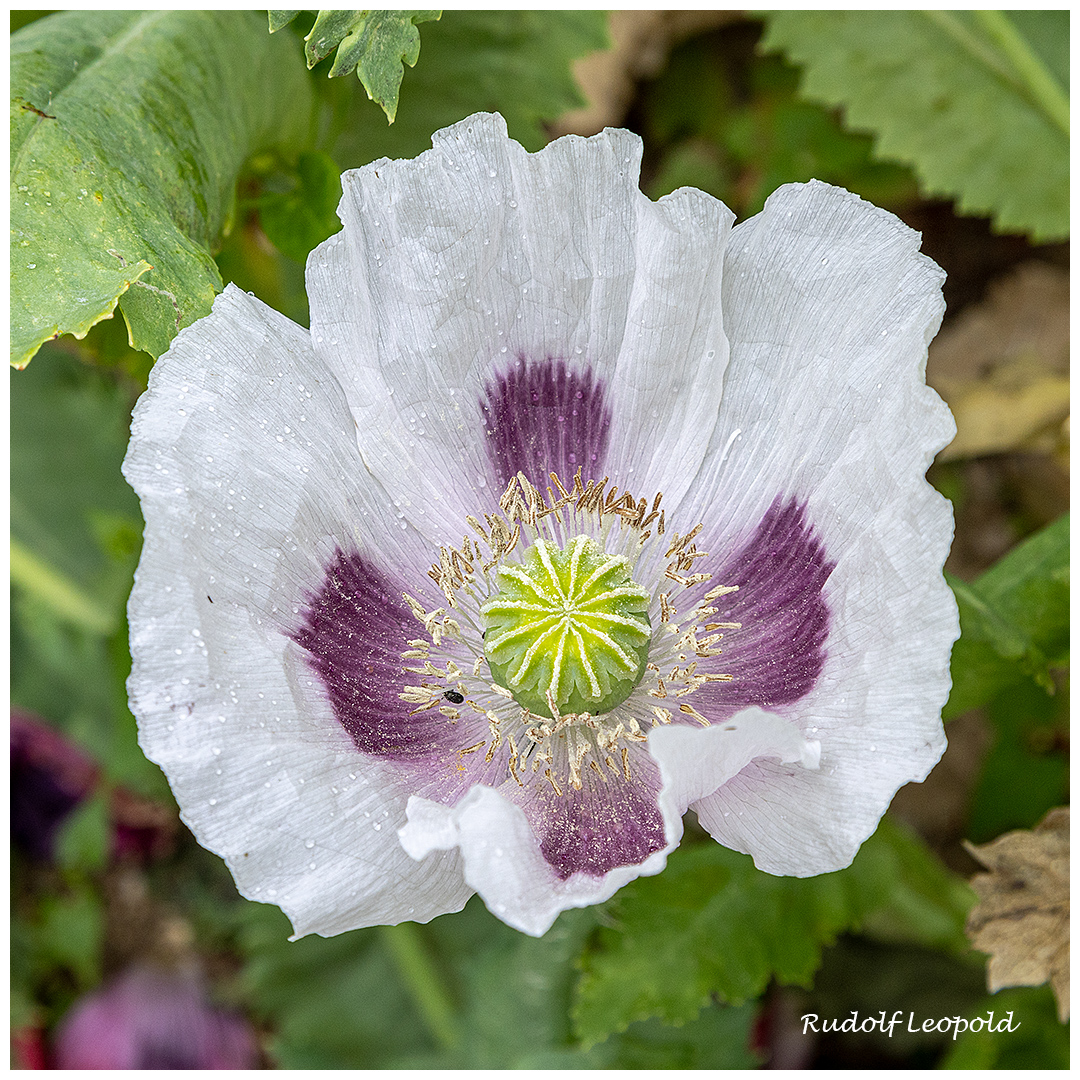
(691, 711)
(566, 627)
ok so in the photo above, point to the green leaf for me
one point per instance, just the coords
(298, 220)
(509, 999)
(332, 1002)
(712, 924)
(83, 840)
(1014, 620)
(503, 976)
(927, 904)
(1026, 772)
(718, 1038)
(128, 132)
(513, 62)
(508, 975)
(1037, 1040)
(978, 106)
(1029, 587)
(375, 43)
(280, 19)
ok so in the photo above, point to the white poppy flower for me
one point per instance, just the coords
(572, 511)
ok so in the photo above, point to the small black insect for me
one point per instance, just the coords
(454, 696)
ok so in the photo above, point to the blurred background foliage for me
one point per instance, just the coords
(957, 122)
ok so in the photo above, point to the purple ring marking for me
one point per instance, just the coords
(779, 652)
(602, 826)
(355, 629)
(541, 417)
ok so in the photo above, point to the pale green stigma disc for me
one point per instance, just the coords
(570, 623)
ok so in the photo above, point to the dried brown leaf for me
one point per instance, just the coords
(1022, 918)
(1003, 365)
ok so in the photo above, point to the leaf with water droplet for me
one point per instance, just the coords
(153, 114)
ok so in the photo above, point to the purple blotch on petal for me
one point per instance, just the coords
(541, 417)
(779, 651)
(355, 628)
(602, 826)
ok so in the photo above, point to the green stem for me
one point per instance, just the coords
(423, 980)
(59, 593)
(1039, 83)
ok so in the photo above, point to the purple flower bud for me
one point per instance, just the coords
(49, 777)
(153, 1019)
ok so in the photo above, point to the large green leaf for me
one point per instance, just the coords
(976, 102)
(128, 131)
(513, 62)
(1014, 620)
(713, 924)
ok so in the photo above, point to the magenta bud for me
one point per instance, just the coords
(153, 1019)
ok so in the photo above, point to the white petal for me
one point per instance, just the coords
(503, 862)
(829, 309)
(695, 762)
(243, 455)
(453, 265)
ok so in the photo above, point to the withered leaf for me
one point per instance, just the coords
(1003, 366)
(1022, 918)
